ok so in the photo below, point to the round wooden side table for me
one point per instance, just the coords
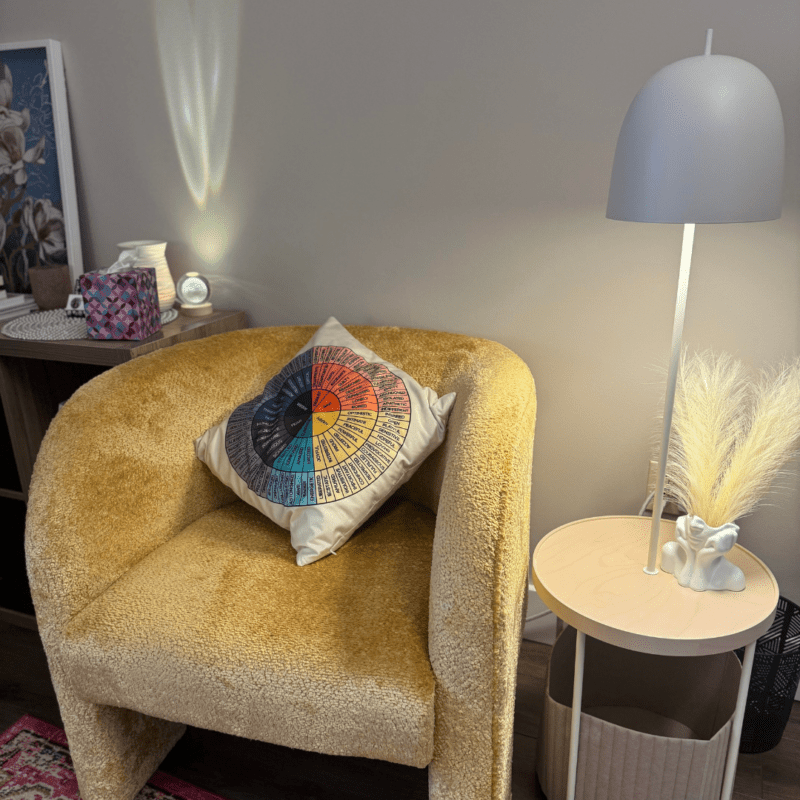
(590, 574)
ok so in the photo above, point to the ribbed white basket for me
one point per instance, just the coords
(652, 727)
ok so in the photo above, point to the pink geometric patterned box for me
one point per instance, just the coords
(121, 305)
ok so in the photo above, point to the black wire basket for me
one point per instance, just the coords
(773, 682)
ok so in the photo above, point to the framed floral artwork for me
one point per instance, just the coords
(38, 205)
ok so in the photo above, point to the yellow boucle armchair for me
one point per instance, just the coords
(162, 600)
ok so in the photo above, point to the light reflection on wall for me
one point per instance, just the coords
(198, 43)
(209, 236)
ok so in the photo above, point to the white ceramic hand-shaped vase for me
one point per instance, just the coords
(697, 556)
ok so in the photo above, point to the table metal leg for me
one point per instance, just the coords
(575, 730)
(738, 719)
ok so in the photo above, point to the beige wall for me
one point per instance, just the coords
(444, 164)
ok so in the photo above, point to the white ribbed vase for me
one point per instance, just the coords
(152, 253)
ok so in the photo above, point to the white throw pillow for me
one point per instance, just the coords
(332, 435)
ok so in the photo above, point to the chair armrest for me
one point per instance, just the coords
(117, 475)
(479, 572)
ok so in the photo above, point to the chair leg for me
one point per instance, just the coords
(114, 751)
(459, 771)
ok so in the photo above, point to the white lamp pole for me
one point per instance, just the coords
(672, 380)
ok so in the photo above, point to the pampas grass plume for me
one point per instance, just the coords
(730, 436)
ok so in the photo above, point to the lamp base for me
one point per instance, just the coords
(196, 311)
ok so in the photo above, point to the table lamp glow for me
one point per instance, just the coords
(702, 142)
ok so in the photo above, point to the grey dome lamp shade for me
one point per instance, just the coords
(703, 141)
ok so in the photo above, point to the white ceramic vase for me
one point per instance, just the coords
(697, 556)
(152, 253)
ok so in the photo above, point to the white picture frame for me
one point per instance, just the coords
(39, 96)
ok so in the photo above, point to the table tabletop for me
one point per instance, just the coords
(591, 574)
(105, 352)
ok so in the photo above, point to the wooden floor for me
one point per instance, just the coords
(239, 769)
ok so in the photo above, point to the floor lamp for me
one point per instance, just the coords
(702, 142)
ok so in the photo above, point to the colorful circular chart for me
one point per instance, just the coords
(325, 427)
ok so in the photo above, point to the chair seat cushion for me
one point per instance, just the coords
(331, 658)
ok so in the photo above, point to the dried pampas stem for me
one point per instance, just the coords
(730, 436)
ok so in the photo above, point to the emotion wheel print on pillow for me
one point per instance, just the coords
(325, 427)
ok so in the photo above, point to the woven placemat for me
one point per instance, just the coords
(46, 325)
(56, 325)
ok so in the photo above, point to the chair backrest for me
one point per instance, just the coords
(445, 362)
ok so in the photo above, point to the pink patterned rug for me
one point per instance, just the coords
(35, 765)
